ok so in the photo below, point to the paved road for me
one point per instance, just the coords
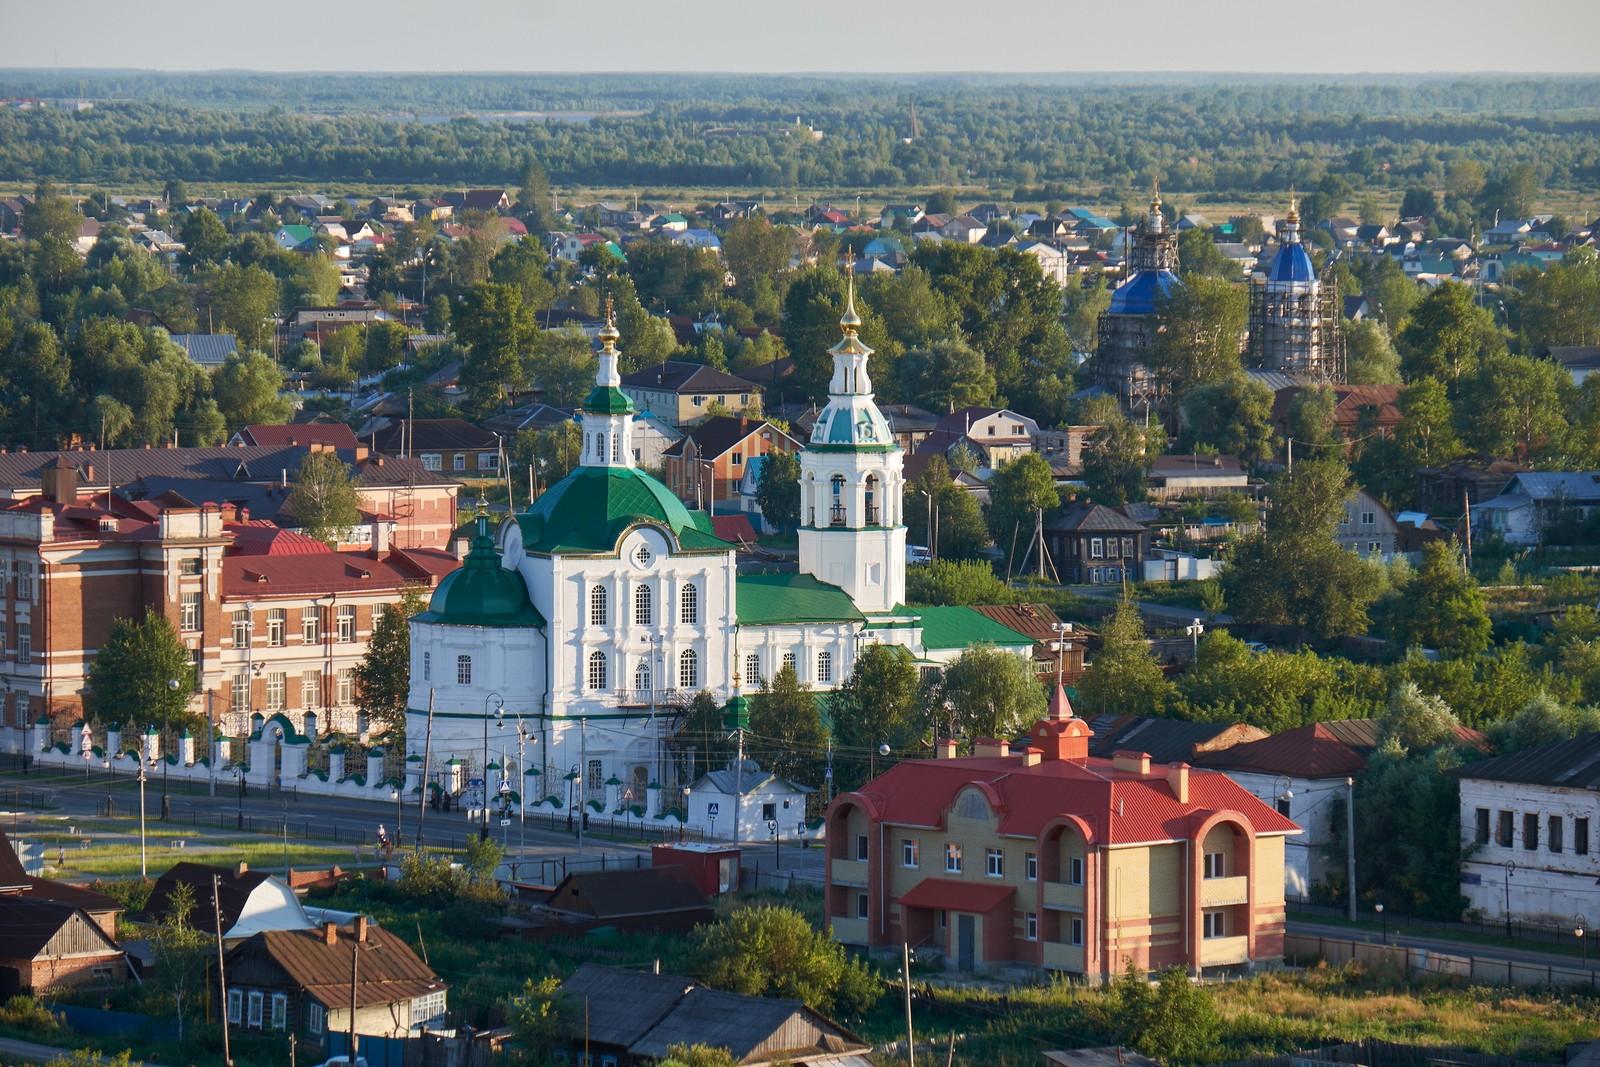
(1432, 943)
(1168, 613)
(19, 1053)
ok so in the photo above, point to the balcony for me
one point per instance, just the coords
(1063, 897)
(850, 931)
(836, 515)
(850, 872)
(872, 515)
(1215, 892)
(660, 698)
(1063, 957)
(1219, 951)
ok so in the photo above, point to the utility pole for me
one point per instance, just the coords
(1350, 840)
(222, 977)
(905, 963)
(738, 786)
(422, 785)
(583, 782)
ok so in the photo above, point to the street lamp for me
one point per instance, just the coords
(1577, 932)
(396, 794)
(166, 802)
(238, 773)
(872, 759)
(144, 871)
(1511, 868)
(1194, 630)
(1378, 907)
(499, 707)
(1060, 646)
(777, 857)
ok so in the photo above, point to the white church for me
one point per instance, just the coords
(585, 626)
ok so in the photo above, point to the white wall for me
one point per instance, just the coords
(1542, 885)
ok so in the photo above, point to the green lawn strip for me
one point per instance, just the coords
(1563, 947)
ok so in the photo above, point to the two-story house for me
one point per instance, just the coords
(708, 462)
(1095, 545)
(681, 393)
(1051, 858)
(452, 446)
(997, 434)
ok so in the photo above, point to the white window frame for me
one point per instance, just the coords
(825, 666)
(346, 622)
(239, 692)
(189, 613)
(310, 689)
(599, 606)
(24, 642)
(255, 1003)
(1213, 923)
(1097, 548)
(277, 691)
(280, 1011)
(689, 669)
(1075, 931)
(1215, 865)
(316, 1017)
(431, 461)
(910, 853)
(1030, 926)
(241, 629)
(235, 1003)
(644, 606)
(277, 628)
(463, 670)
(1030, 864)
(689, 604)
(347, 686)
(1074, 870)
(952, 858)
(597, 672)
(994, 863)
(311, 625)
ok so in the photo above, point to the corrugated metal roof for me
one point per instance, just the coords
(962, 627)
(387, 971)
(1572, 764)
(622, 893)
(623, 1005)
(949, 894)
(765, 599)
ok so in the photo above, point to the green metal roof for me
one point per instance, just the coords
(482, 592)
(607, 400)
(767, 599)
(956, 627)
(590, 509)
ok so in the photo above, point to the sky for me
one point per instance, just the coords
(1348, 36)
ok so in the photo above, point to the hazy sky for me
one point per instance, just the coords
(814, 35)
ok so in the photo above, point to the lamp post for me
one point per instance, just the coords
(872, 759)
(1511, 868)
(933, 524)
(238, 773)
(1378, 907)
(499, 707)
(1060, 645)
(1194, 630)
(777, 857)
(1282, 794)
(684, 825)
(144, 871)
(1578, 932)
(397, 794)
(166, 802)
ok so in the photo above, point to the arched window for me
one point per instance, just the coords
(824, 666)
(643, 606)
(598, 605)
(836, 512)
(641, 676)
(752, 671)
(689, 669)
(616, 447)
(463, 670)
(872, 497)
(689, 604)
(597, 671)
(789, 664)
(427, 666)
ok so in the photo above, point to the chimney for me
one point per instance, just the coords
(945, 748)
(380, 539)
(362, 452)
(330, 933)
(1178, 779)
(1136, 762)
(361, 928)
(241, 870)
(991, 748)
(1032, 757)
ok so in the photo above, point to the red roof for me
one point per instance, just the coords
(735, 529)
(946, 894)
(332, 572)
(1313, 751)
(262, 538)
(1130, 807)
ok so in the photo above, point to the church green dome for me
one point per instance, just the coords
(590, 509)
(482, 592)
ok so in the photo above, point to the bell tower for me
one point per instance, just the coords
(851, 478)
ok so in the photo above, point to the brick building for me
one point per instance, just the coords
(1052, 858)
(274, 621)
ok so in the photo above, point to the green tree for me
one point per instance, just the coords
(499, 330)
(1447, 336)
(1442, 607)
(1232, 416)
(769, 950)
(1202, 259)
(533, 197)
(1542, 721)
(989, 692)
(181, 952)
(383, 677)
(1559, 305)
(1513, 406)
(877, 705)
(50, 228)
(956, 582)
(1205, 321)
(755, 249)
(1311, 414)
(242, 301)
(953, 511)
(1173, 1021)
(205, 239)
(40, 375)
(129, 683)
(542, 1017)
(1370, 357)
(946, 376)
(1426, 434)
(1293, 572)
(324, 501)
(1017, 491)
(1408, 829)
(1465, 179)
(1117, 457)
(1126, 676)
(1415, 721)
(778, 490)
(786, 735)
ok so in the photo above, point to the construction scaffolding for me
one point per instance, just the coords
(1294, 328)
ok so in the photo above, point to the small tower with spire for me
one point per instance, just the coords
(851, 480)
(607, 413)
(1294, 313)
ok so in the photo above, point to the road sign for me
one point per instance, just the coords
(474, 781)
(712, 809)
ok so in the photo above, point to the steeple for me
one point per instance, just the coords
(607, 412)
(1155, 222)
(1291, 224)
(851, 418)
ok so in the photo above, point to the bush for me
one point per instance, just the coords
(432, 880)
(25, 1013)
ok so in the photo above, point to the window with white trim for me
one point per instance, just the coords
(463, 670)
(235, 999)
(825, 666)
(277, 691)
(280, 1011)
(1030, 926)
(1030, 865)
(1075, 870)
(910, 852)
(189, 616)
(861, 905)
(1216, 865)
(861, 846)
(277, 627)
(311, 689)
(689, 604)
(1214, 924)
(599, 671)
(789, 664)
(347, 686)
(994, 863)
(952, 858)
(752, 670)
(459, 461)
(689, 669)
(239, 692)
(24, 581)
(599, 606)
(347, 622)
(253, 1020)
(1097, 548)
(1075, 932)
(643, 606)
(241, 629)
(316, 1017)
(432, 461)
(311, 625)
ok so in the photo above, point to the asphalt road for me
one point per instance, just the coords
(1401, 937)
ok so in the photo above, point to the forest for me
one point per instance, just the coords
(1020, 137)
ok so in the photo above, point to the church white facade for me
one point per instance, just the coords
(588, 623)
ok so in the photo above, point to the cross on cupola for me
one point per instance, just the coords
(607, 413)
